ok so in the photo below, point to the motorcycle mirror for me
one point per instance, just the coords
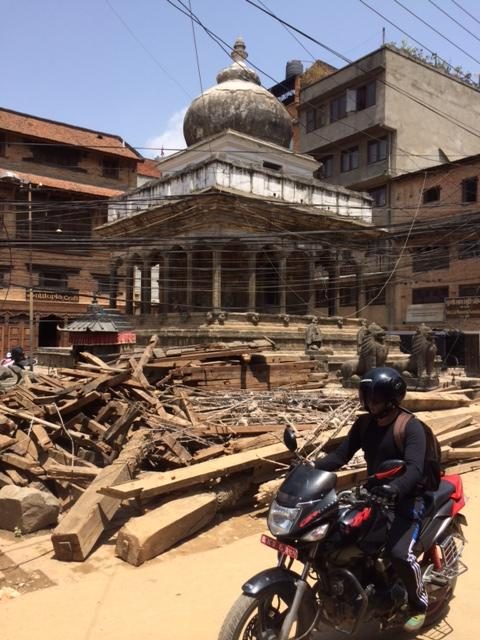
(290, 439)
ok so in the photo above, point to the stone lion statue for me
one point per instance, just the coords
(373, 352)
(422, 359)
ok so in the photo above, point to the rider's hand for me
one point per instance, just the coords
(385, 491)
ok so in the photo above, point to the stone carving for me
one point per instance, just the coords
(313, 336)
(254, 317)
(216, 317)
(285, 318)
(373, 353)
(421, 363)
(361, 333)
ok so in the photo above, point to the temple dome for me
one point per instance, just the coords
(240, 103)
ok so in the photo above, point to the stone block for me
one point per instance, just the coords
(27, 509)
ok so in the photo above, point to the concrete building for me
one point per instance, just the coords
(384, 115)
(55, 180)
(237, 229)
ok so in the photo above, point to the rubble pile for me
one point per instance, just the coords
(145, 431)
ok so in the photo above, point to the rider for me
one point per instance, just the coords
(381, 391)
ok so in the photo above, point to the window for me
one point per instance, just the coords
(326, 170)
(429, 295)
(349, 159)
(102, 284)
(272, 165)
(379, 196)
(431, 258)
(4, 276)
(55, 156)
(3, 144)
(338, 107)
(348, 296)
(431, 195)
(111, 168)
(374, 295)
(469, 290)
(469, 249)
(315, 118)
(377, 150)
(366, 95)
(50, 279)
(469, 190)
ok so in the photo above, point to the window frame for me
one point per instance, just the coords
(422, 298)
(338, 107)
(327, 163)
(465, 186)
(111, 167)
(377, 150)
(383, 189)
(433, 191)
(349, 154)
(366, 95)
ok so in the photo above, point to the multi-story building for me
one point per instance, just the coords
(435, 214)
(386, 114)
(55, 180)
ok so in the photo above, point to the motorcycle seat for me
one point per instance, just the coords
(435, 499)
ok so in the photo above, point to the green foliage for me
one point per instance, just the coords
(433, 60)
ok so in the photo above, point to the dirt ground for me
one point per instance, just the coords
(182, 595)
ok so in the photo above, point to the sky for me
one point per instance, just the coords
(132, 67)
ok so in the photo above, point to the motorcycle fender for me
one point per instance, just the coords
(275, 577)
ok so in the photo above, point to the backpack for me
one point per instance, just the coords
(432, 468)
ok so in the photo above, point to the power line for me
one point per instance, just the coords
(454, 20)
(435, 30)
(465, 11)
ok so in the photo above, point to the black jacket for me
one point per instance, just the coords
(379, 445)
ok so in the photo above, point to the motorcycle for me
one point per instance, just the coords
(338, 539)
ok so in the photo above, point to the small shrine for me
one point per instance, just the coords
(107, 333)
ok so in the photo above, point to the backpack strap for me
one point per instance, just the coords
(399, 428)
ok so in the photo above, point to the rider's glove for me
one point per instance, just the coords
(385, 491)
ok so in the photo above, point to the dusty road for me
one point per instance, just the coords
(182, 595)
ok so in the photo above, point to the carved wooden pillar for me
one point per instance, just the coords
(129, 290)
(216, 279)
(189, 279)
(360, 289)
(146, 288)
(113, 285)
(166, 287)
(311, 286)
(282, 282)
(252, 280)
(334, 286)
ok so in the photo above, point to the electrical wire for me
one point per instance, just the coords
(454, 20)
(465, 11)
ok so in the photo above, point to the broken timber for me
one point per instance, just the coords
(78, 532)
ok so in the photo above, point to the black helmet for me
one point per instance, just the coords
(382, 384)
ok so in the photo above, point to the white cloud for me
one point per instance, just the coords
(171, 139)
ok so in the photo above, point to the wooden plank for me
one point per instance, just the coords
(149, 535)
(6, 442)
(178, 449)
(430, 401)
(459, 435)
(463, 453)
(75, 536)
(21, 463)
(68, 472)
(41, 437)
(74, 405)
(118, 430)
(159, 483)
(107, 379)
(91, 358)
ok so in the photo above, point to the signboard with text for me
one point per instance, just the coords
(54, 296)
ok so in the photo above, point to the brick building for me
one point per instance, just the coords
(435, 212)
(55, 180)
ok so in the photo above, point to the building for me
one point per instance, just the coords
(435, 214)
(288, 91)
(55, 181)
(147, 170)
(237, 229)
(384, 115)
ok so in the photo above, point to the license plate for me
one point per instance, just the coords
(284, 549)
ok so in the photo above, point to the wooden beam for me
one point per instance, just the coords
(75, 536)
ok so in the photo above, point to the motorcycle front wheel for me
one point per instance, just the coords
(261, 617)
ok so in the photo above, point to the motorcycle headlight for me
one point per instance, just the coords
(316, 534)
(281, 519)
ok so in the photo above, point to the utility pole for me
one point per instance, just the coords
(30, 274)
